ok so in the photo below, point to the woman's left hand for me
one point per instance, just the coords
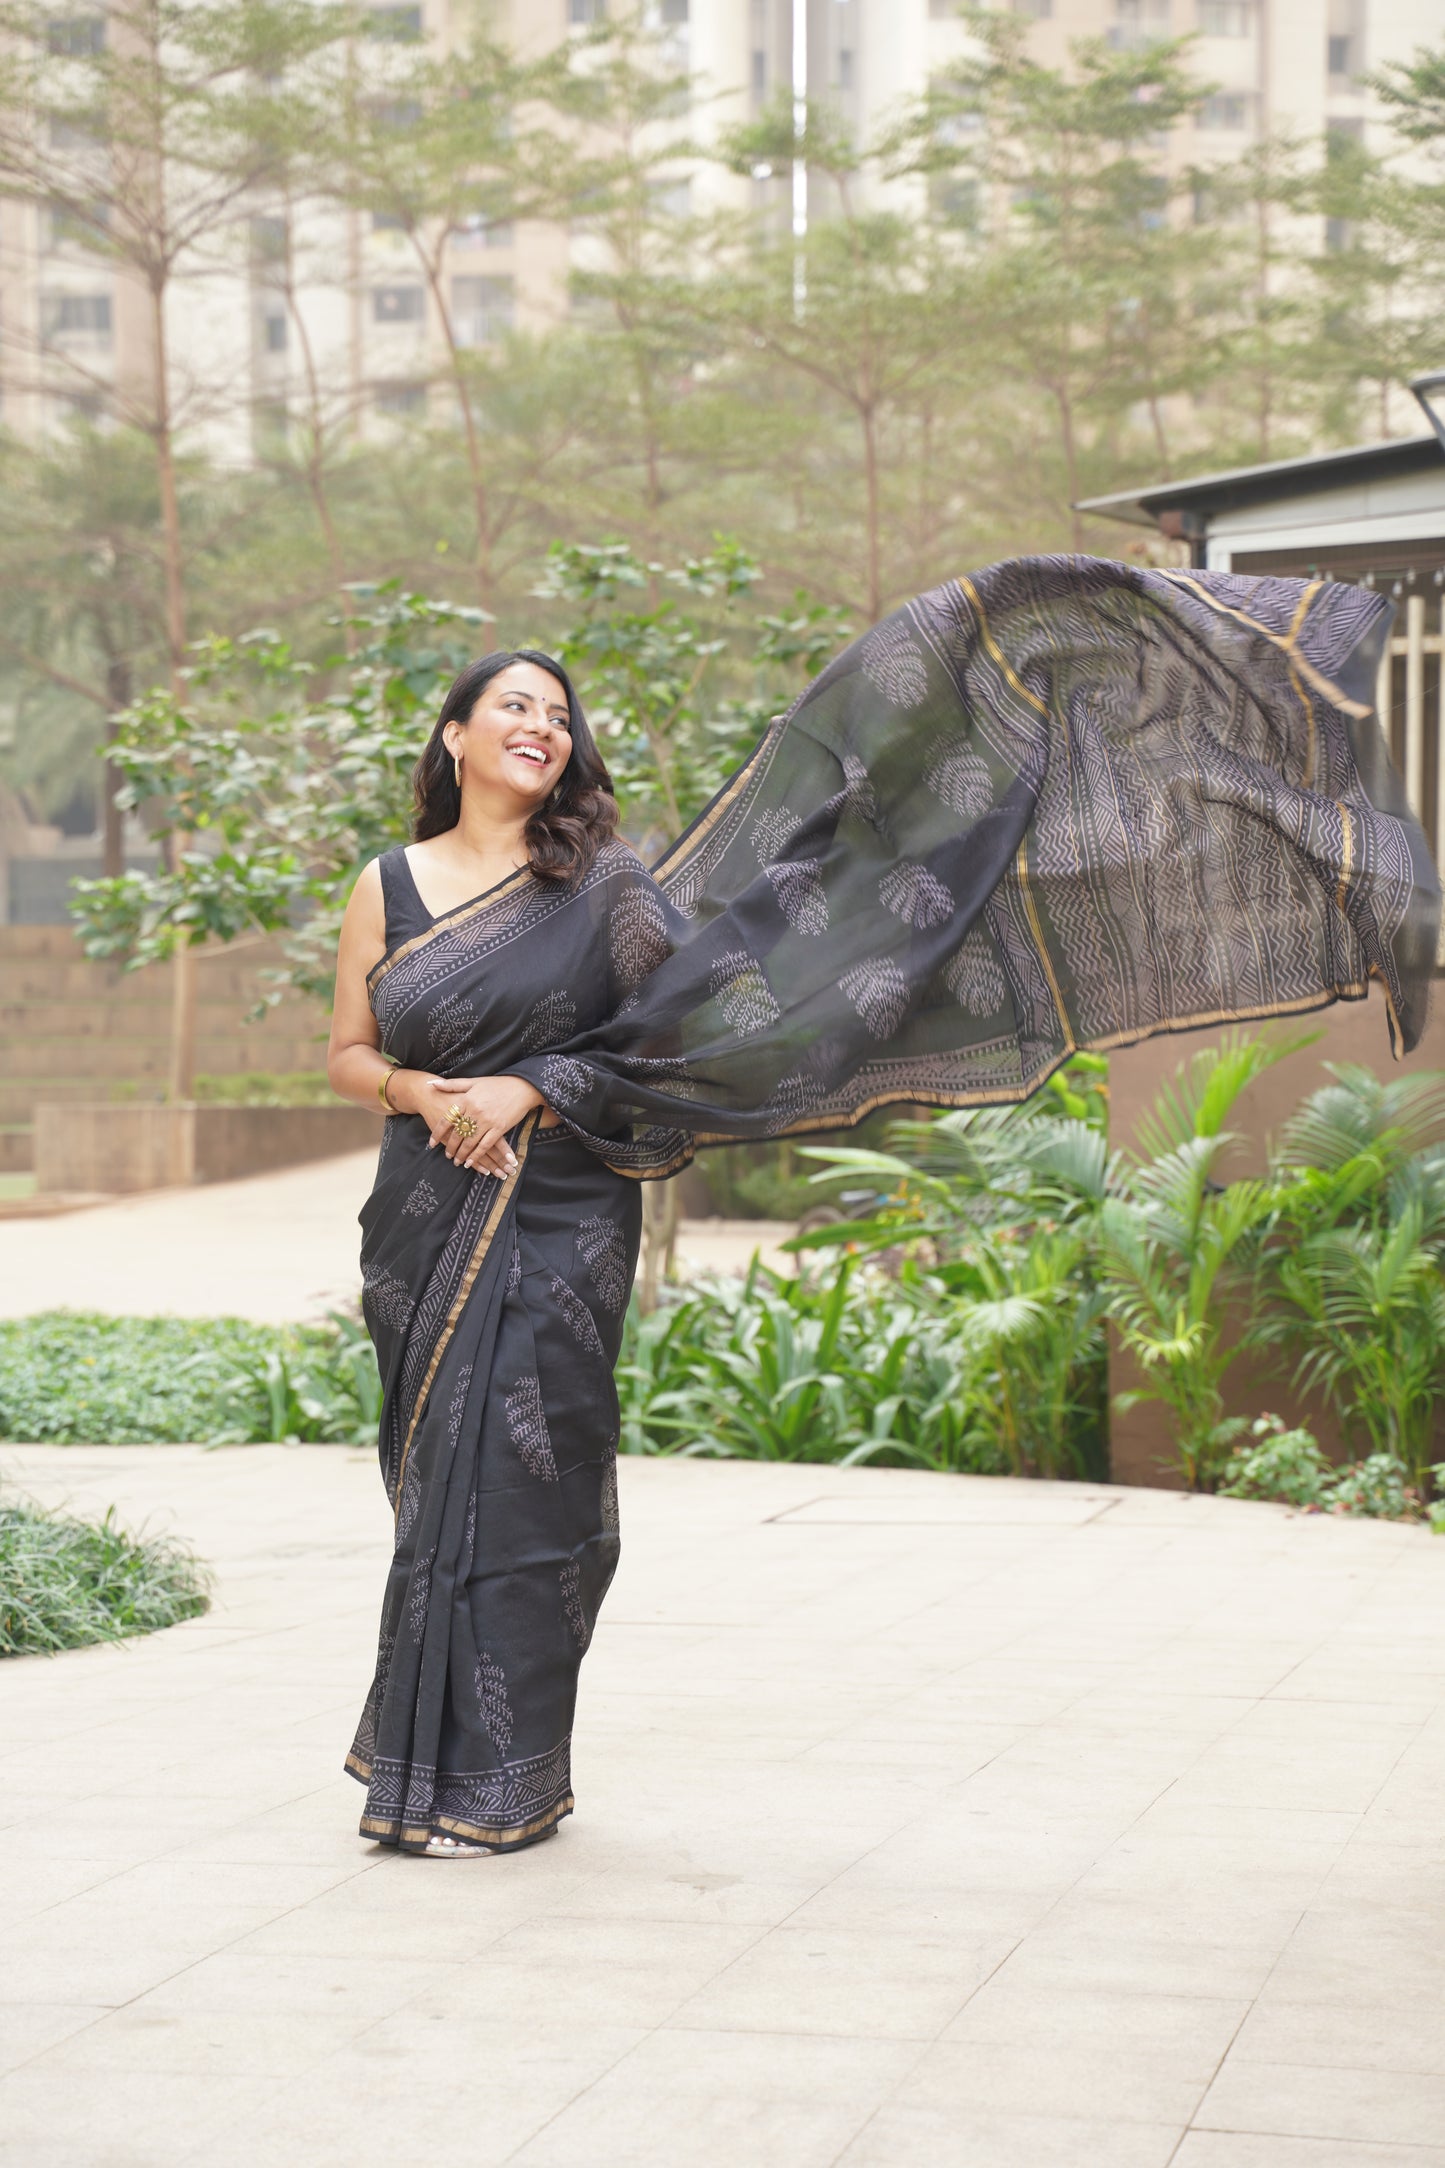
(496, 1104)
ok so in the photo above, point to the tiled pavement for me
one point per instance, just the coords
(968, 1823)
(275, 1247)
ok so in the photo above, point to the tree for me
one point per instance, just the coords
(143, 133)
(275, 782)
(430, 144)
(863, 315)
(1081, 276)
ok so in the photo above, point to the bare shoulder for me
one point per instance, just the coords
(366, 908)
(366, 896)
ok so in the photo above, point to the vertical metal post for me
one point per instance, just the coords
(1383, 693)
(1415, 704)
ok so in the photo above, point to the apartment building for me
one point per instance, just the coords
(331, 309)
(1286, 66)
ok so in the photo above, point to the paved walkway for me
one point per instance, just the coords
(922, 1820)
(277, 1248)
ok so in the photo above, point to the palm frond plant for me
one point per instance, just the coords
(1365, 1305)
(990, 1211)
(1355, 1291)
(1175, 1243)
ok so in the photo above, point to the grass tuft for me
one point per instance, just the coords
(65, 1583)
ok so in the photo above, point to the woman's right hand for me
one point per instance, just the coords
(415, 1091)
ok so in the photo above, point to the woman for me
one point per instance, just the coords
(1060, 804)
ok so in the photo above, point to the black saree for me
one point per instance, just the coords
(1060, 804)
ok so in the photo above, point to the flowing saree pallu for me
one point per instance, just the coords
(1060, 804)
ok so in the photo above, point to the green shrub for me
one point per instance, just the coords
(1378, 1486)
(1285, 1465)
(262, 1088)
(77, 1378)
(66, 1582)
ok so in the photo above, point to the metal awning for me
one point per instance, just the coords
(1194, 500)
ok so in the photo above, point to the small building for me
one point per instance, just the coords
(1373, 515)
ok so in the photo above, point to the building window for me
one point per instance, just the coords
(270, 428)
(398, 26)
(586, 11)
(1225, 18)
(1138, 22)
(400, 397)
(268, 240)
(387, 222)
(1227, 109)
(759, 79)
(70, 226)
(68, 132)
(75, 37)
(476, 230)
(87, 315)
(956, 201)
(1034, 11)
(669, 199)
(274, 331)
(483, 309)
(945, 10)
(398, 304)
(396, 115)
(1340, 55)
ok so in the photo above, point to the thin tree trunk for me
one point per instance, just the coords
(182, 1075)
(1071, 463)
(118, 690)
(660, 1215)
(869, 419)
(469, 431)
(1261, 306)
(316, 460)
(1161, 445)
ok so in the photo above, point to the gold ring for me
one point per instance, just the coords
(462, 1122)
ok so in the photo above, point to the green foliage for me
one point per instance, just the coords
(274, 783)
(265, 1088)
(1288, 1467)
(169, 1380)
(1285, 1465)
(769, 1368)
(274, 791)
(656, 674)
(1354, 1288)
(65, 1582)
(995, 1207)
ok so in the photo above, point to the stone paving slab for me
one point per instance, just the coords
(973, 1822)
(280, 1248)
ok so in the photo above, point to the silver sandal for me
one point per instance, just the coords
(454, 1848)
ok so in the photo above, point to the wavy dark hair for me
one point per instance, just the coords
(570, 827)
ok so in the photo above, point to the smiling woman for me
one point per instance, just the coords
(1054, 805)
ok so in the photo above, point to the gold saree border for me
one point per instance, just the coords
(1287, 643)
(698, 831)
(986, 632)
(414, 1837)
(468, 1282)
(507, 886)
(992, 1096)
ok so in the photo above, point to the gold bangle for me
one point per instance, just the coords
(381, 1091)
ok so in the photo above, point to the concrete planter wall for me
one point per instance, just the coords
(118, 1150)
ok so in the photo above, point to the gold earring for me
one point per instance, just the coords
(457, 768)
